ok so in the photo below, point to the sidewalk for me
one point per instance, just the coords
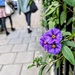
(19, 49)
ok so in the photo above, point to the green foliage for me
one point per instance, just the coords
(72, 36)
(52, 19)
(70, 43)
(70, 2)
(70, 20)
(37, 62)
(51, 24)
(50, 67)
(52, 14)
(64, 33)
(30, 66)
(41, 70)
(58, 63)
(67, 53)
(62, 17)
(46, 3)
(44, 22)
(54, 5)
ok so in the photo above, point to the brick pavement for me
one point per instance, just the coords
(19, 49)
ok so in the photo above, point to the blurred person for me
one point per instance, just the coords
(23, 6)
(11, 23)
(3, 15)
(10, 18)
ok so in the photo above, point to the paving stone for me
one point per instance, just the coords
(7, 58)
(39, 29)
(2, 36)
(34, 47)
(16, 41)
(34, 30)
(4, 42)
(11, 70)
(24, 34)
(13, 35)
(24, 57)
(40, 53)
(37, 34)
(21, 31)
(19, 48)
(38, 39)
(0, 67)
(6, 48)
(29, 40)
(31, 71)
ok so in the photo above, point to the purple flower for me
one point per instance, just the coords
(51, 41)
(55, 35)
(44, 41)
(54, 48)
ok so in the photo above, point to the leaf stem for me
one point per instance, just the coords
(57, 59)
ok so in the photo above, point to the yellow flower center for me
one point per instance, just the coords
(53, 46)
(53, 36)
(45, 42)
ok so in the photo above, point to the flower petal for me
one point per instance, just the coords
(51, 50)
(56, 31)
(49, 33)
(59, 36)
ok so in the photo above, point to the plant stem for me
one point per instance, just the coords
(58, 59)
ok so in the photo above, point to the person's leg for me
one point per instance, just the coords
(4, 25)
(10, 21)
(13, 29)
(28, 19)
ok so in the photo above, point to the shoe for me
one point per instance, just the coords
(29, 31)
(7, 33)
(13, 29)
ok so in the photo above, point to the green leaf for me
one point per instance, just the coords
(30, 66)
(72, 36)
(41, 70)
(70, 20)
(58, 64)
(51, 11)
(37, 61)
(48, 8)
(51, 24)
(64, 33)
(47, 56)
(44, 23)
(67, 53)
(62, 17)
(50, 67)
(70, 2)
(53, 4)
(74, 53)
(70, 43)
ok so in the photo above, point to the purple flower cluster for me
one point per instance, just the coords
(51, 41)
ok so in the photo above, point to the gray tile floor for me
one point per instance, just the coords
(19, 49)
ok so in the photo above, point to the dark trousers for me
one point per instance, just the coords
(28, 18)
(4, 23)
(3, 20)
(10, 21)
